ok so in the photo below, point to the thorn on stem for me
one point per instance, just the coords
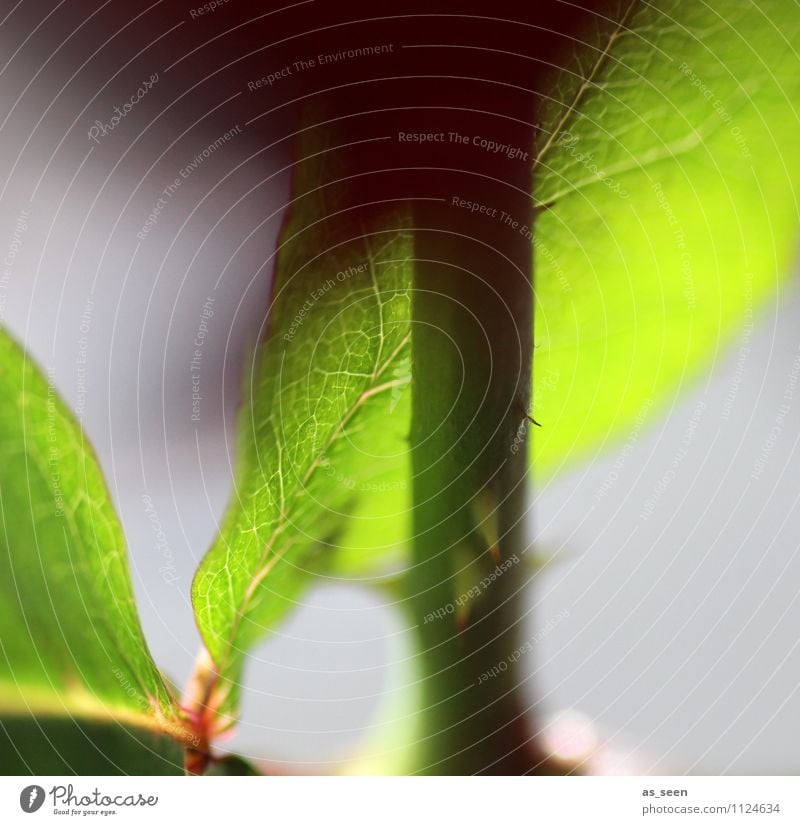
(525, 414)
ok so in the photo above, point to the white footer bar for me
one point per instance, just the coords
(403, 800)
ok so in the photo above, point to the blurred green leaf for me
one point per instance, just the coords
(232, 766)
(71, 643)
(668, 162)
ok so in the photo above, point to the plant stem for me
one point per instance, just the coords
(472, 350)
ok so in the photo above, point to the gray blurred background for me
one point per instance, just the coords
(675, 588)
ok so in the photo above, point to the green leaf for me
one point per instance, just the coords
(56, 746)
(71, 643)
(668, 162)
(322, 455)
(232, 766)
